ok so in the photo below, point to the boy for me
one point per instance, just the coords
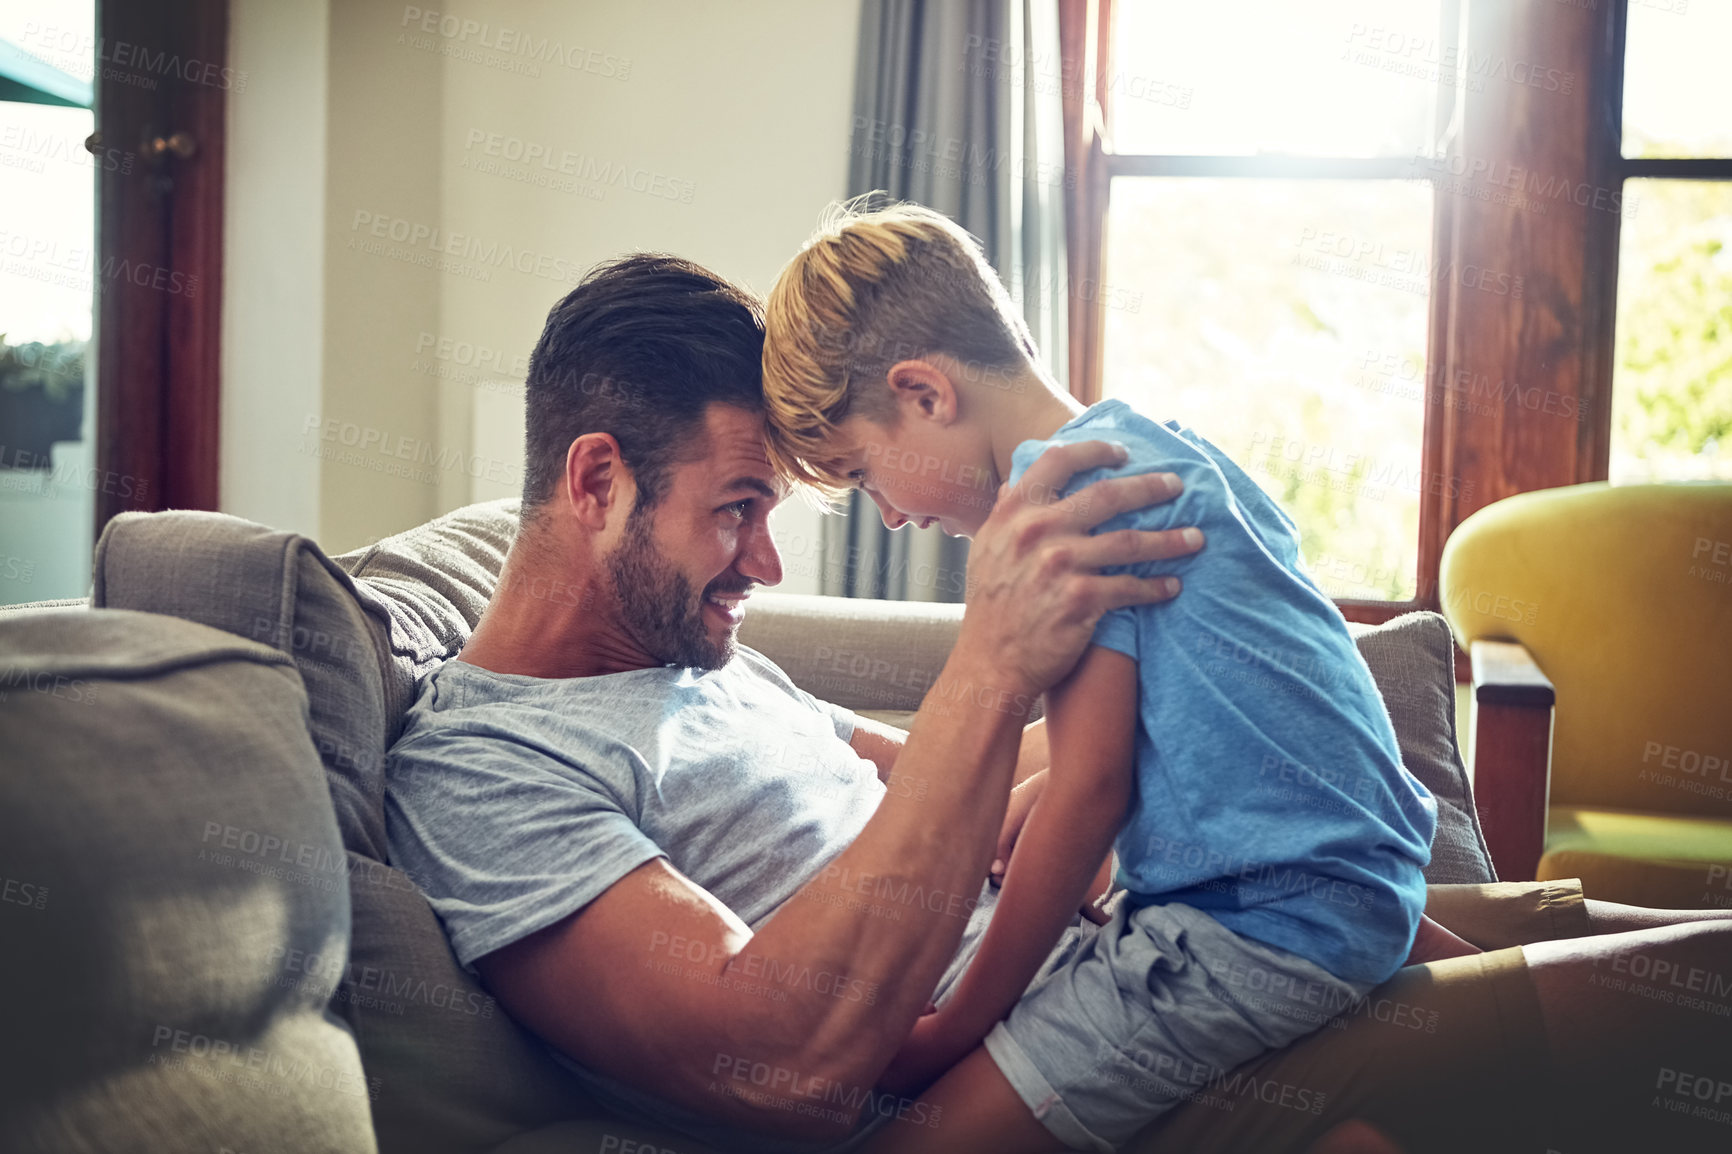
(1231, 748)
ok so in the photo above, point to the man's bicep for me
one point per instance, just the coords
(625, 986)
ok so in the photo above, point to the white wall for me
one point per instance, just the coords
(731, 120)
(273, 261)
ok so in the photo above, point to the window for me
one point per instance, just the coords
(1396, 257)
(1672, 369)
(47, 183)
(1267, 264)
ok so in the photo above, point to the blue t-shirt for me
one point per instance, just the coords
(1269, 787)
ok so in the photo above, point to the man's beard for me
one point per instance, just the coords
(657, 604)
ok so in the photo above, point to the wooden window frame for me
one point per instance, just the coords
(1557, 345)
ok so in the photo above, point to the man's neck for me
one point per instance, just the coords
(1038, 408)
(550, 617)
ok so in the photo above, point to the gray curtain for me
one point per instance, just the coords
(957, 107)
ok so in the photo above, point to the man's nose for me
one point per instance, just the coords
(759, 558)
(893, 517)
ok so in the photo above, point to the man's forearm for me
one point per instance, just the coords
(889, 911)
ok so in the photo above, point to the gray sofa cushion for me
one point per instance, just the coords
(455, 1073)
(864, 655)
(279, 589)
(167, 845)
(1412, 659)
(451, 1072)
(432, 581)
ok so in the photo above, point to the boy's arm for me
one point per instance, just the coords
(1091, 721)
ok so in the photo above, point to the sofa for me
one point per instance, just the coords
(203, 943)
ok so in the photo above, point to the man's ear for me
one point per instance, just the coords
(922, 390)
(597, 482)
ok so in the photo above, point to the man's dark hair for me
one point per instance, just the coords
(639, 349)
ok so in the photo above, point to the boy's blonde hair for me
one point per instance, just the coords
(868, 290)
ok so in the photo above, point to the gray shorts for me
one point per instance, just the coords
(1154, 1009)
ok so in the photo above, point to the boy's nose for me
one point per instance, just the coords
(893, 518)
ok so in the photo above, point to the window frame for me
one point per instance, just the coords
(1564, 344)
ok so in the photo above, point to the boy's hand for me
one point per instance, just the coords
(1022, 799)
(929, 1051)
(1035, 590)
(1433, 943)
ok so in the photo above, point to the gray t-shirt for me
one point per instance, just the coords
(514, 801)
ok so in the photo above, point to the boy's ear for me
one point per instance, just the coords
(923, 390)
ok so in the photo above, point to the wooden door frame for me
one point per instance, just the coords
(161, 69)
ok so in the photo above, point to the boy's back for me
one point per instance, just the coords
(1269, 788)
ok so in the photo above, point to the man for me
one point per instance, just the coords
(659, 854)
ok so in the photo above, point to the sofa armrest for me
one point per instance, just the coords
(1512, 754)
(859, 653)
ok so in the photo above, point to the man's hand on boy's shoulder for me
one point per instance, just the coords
(1035, 586)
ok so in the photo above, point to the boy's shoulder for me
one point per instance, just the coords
(1152, 445)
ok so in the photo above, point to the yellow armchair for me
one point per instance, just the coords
(1610, 606)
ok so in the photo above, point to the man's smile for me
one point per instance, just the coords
(730, 605)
